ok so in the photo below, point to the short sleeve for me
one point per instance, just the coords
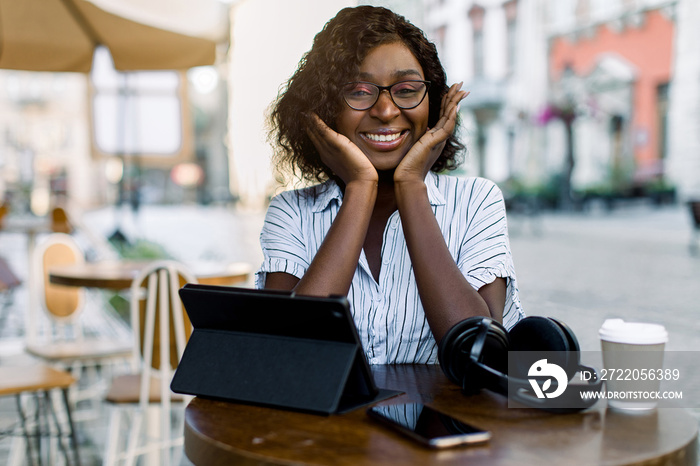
(485, 250)
(282, 239)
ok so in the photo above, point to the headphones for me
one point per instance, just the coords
(474, 355)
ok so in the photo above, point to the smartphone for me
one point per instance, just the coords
(428, 426)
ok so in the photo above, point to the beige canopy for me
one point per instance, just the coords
(61, 35)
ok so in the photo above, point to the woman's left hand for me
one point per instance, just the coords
(421, 157)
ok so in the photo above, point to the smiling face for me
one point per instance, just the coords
(385, 133)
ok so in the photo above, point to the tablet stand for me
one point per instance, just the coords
(291, 372)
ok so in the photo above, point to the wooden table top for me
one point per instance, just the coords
(221, 433)
(14, 380)
(118, 275)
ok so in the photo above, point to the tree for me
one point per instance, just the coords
(566, 113)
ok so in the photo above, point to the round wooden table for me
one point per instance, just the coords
(221, 433)
(118, 275)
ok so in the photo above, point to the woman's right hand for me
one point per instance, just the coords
(339, 153)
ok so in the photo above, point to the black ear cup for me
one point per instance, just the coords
(476, 339)
(570, 336)
(536, 333)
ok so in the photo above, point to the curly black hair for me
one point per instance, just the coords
(334, 59)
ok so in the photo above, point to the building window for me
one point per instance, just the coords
(137, 113)
(476, 15)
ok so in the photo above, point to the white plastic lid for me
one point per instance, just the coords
(619, 331)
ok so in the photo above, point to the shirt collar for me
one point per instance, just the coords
(324, 194)
(330, 190)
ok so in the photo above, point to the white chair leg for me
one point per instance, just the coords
(153, 433)
(165, 434)
(113, 437)
(134, 435)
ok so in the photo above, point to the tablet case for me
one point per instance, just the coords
(275, 349)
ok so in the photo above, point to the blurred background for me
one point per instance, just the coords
(572, 102)
(585, 112)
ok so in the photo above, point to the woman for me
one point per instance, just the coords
(368, 113)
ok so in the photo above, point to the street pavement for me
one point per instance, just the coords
(632, 262)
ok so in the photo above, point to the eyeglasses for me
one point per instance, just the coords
(406, 95)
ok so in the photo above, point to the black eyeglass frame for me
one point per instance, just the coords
(388, 89)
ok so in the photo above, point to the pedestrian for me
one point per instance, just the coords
(414, 250)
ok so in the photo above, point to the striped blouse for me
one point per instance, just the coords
(388, 314)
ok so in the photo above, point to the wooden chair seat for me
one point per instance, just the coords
(68, 352)
(125, 389)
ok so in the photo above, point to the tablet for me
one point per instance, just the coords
(275, 349)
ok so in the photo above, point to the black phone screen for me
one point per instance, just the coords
(428, 425)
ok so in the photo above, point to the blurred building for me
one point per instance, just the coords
(613, 85)
(579, 85)
(610, 64)
(683, 131)
(498, 48)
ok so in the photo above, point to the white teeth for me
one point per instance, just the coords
(383, 137)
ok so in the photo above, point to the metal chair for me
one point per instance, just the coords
(60, 339)
(160, 332)
(40, 380)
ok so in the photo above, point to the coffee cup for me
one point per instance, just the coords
(633, 357)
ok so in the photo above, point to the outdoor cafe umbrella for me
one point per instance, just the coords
(61, 35)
